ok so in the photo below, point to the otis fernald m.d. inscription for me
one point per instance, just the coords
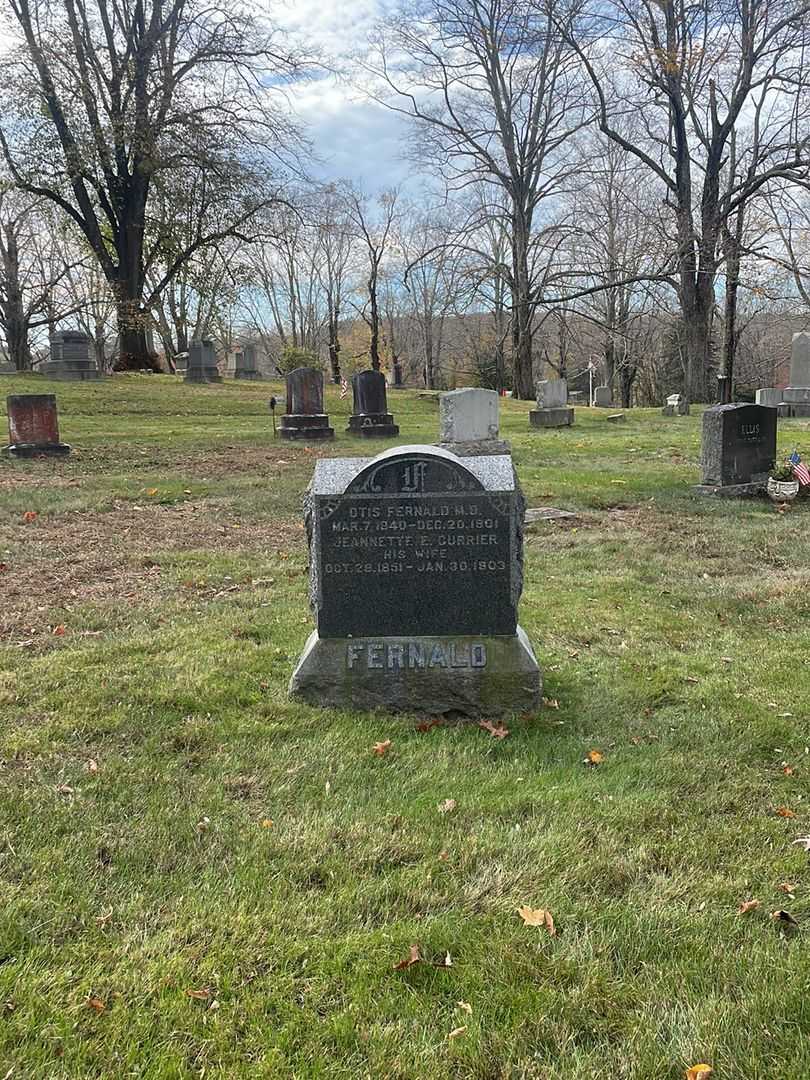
(416, 572)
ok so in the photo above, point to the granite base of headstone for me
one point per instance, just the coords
(797, 394)
(201, 366)
(738, 449)
(416, 570)
(370, 418)
(245, 364)
(304, 419)
(9, 369)
(69, 359)
(468, 422)
(770, 397)
(676, 405)
(33, 426)
(552, 410)
(616, 418)
(603, 397)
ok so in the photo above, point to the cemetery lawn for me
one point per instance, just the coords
(199, 878)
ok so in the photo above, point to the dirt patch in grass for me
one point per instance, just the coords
(75, 559)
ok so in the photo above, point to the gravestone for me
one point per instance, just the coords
(552, 405)
(738, 449)
(33, 426)
(7, 368)
(676, 405)
(245, 361)
(201, 366)
(797, 394)
(370, 417)
(769, 396)
(70, 358)
(468, 422)
(603, 397)
(416, 570)
(305, 418)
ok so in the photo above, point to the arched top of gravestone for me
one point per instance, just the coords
(305, 391)
(414, 471)
(368, 391)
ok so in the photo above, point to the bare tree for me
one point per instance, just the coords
(374, 222)
(495, 89)
(695, 75)
(103, 99)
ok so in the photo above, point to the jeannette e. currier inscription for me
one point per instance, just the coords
(418, 545)
(415, 577)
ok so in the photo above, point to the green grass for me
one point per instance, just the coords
(144, 750)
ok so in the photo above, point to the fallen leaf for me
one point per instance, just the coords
(267, 823)
(59, 631)
(199, 995)
(699, 1072)
(787, 887)
(151, 491)
(785, 918)
(444, 856)
(95, 1003)
(747, 905)
(381, 747)
(784, 811)
(91, 766)
(64, 789)
(550, 702)
(203, 824)
(497, 731)
(29, 516)
(465, 1007)
(426, 725)
(594, 757)
(447, 807)
(788, 770)
(537, 917)
(454, 1034)
(414, 957)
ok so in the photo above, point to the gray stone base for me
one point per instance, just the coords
(202, 375)
(71, 370)
(485, 447)
(734, 491)
(616, 418)
(794, 409)
(796, 395)
(562, 416)
(473, 676)
(26, 450)
(252, 376)
(372, 425)
(306, 427)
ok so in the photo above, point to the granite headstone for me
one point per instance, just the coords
(769, 396)
(468, 422)
(245, 363)
(33, 426)
(69, 358)
(552, 405)
(738, 449)
(797, 394)
(416, 569)
(304, 418)
(676, 405)
(603, 397)
(202, 363)
(370, 417)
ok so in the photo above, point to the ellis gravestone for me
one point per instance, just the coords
(738, 449)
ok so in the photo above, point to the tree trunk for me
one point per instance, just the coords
(697, 328)
(16, 324)
(627, 376)
(133, 347)
(522, 358)
(334, 343)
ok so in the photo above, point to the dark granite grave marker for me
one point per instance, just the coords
(202, 363)
(370, 418)
(305, 418)
(33, 425)
(738, 449)
(69, 358)
(245, 364)
(416, 562)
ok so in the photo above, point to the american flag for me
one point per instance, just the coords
(800, 470)
(344, 389)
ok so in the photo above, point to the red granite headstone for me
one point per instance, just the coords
(33, 425)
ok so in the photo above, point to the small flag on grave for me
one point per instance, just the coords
(800, 470)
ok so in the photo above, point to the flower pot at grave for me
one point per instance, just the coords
(782, 491)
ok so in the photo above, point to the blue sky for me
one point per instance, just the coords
(355, 138)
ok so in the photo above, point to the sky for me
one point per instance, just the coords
(354, 138)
